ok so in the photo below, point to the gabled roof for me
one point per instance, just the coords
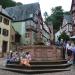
(3, 12)
(23, 12)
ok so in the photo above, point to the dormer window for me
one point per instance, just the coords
(31, 15)
(14, 18)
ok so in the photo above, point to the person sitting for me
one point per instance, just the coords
(26, 60)
(69, 52)
(12, 57)
(9, 57)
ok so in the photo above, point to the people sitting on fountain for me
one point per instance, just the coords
(12, 57)
(26, 60)
(9, 57)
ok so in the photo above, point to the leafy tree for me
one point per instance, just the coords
(19, 3)
(48, 19)
(67, 13)
(7, 3)
(64, 36)
(56, 17)
(45, 14)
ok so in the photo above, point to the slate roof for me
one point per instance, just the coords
(22, 12)
(3, 12)
(68, 18)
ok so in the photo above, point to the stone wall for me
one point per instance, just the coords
(43, 52)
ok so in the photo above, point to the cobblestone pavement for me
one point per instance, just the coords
(72, 72)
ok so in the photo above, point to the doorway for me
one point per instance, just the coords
(4, 46)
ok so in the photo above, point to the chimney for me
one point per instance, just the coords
(0, 8)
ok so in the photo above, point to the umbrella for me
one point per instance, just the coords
(72, 37)
(73, 49)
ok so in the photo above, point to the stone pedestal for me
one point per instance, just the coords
(45, 53)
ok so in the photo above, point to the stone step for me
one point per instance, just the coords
(34, 71)
(36, 67)
(48, 62)
(39, 67)
(44, 62)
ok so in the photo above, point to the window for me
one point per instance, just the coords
(6, 21)
(31, 15)
(70, 28)
(27, 35)
(0, 30)
(0, 18)
(5, 32)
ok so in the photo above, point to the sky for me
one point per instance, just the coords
(47, 5)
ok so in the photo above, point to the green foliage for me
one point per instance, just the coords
(7, 3)
(64, 36)
(67, 13)
(48, 19)
(19, 3)
(56, 17)
(46, 14)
